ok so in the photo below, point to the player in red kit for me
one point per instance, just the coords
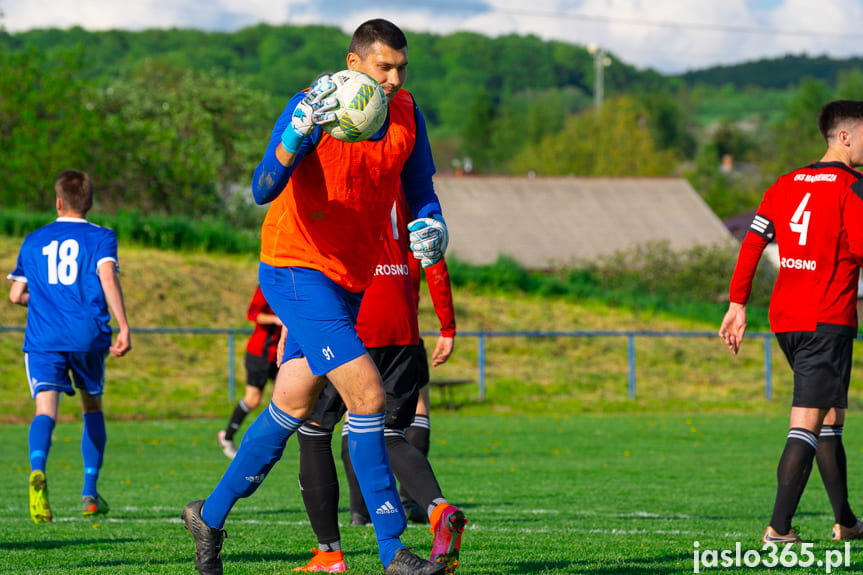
(387, 324)
(260, 367)
(815, 214)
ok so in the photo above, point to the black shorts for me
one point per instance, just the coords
(822, 367)
(259, 369)
(400, 370)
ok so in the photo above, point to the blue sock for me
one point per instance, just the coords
(40, 441)
(262, 446)
(93, 441)
(372, 467)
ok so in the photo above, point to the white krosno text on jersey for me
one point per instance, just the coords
(392, 270)
(797, 264)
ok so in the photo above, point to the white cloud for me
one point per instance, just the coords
(668, 35)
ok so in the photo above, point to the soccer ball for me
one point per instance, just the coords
(362, 107)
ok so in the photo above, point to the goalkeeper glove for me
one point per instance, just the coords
(316, 108)
(428, 239)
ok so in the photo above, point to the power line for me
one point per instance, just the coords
(557, 15)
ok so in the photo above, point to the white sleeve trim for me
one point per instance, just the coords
(108, 259)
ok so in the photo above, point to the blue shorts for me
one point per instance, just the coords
(320, 315)
(50, 370)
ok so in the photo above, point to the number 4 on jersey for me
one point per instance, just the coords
(800, 220)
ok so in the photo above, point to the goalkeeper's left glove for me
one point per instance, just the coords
(428, 239)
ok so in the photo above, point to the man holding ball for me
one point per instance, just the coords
(330, 204)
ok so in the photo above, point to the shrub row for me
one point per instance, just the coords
(161, 232)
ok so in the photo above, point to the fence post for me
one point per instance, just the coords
(481, 361)
(231, 390)
(631, 352)
(768, 370)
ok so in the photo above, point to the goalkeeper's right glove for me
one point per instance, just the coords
(316, 108)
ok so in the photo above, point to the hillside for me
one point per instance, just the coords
(180, 376)
(774, 73)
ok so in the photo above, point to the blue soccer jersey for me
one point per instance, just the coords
(67, 310)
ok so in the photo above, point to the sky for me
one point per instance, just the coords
(670, 36)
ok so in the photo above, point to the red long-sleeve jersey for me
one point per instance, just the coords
(440, 289)
(815, 214)
(265, 337)
(388, 314)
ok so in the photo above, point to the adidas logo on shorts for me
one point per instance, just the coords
(386, 509)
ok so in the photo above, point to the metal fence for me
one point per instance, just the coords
(482, 337)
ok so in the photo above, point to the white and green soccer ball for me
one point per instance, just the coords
(362, 107)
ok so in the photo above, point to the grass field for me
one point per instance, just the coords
(594, 494)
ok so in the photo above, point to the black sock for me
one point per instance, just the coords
(240, 412)
(418, 435)
(411, 468)
(358, 504)
(833, 467)
(319, 484)
(792, 475)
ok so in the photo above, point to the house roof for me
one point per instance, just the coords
(556, 221)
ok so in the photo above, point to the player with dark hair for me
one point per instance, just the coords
(330, 204)
(815, 214)
(388, 326)
(66, 275)
(260, 366)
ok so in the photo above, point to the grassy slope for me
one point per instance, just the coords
(186, 375)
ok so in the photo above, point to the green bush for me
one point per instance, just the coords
(161, 232)
(653, 277)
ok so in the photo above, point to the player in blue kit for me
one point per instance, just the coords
(66, 275)
(329, 204)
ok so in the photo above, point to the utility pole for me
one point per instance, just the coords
(600, 62)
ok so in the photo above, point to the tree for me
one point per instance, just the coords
(796, 139)
(45, 124)
(616, 141)
(176, 140)
(478, 126)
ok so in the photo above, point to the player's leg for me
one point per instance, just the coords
(263, 443)
(319, 482)
(262, 446)
(359, 384)
(833, 467)
(359, 511)
(830, 455)
(819, 369)
(93, 441)
(258, 371)
(48, 376)
(41, 429)
(793, 471)
(401, 368)
(88, 370)
(418, 434)
(322, 315)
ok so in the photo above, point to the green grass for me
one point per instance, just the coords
(593, 494)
